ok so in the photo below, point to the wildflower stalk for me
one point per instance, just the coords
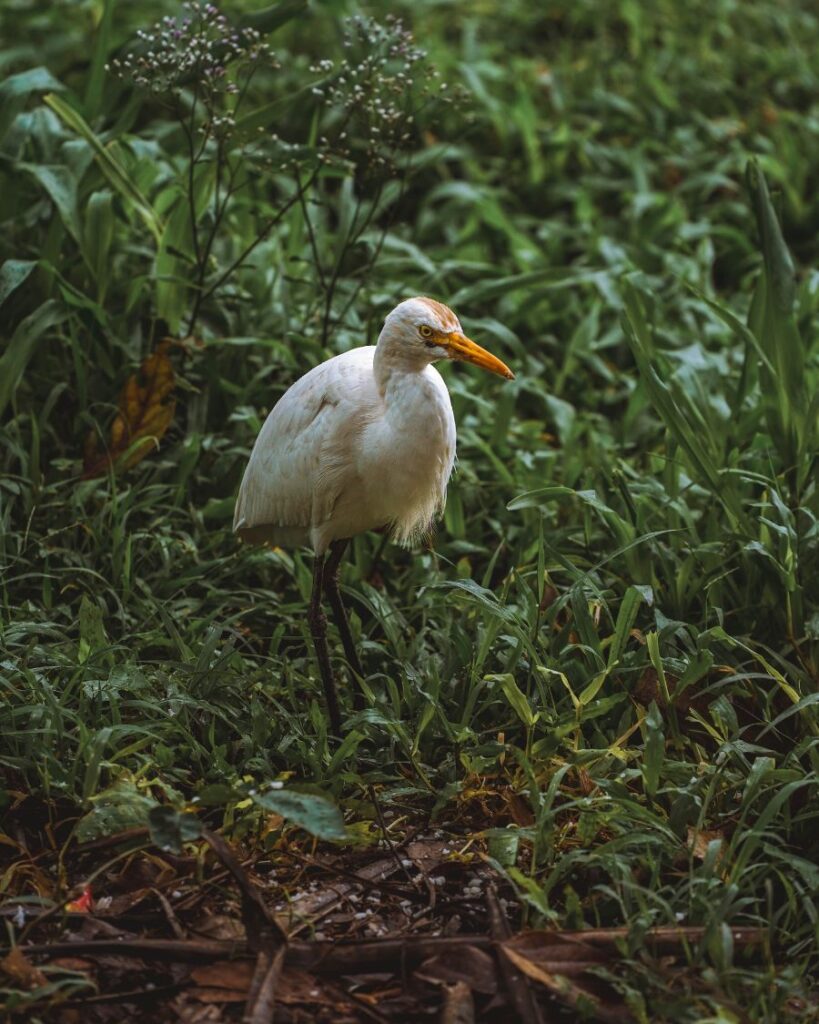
(365, 106)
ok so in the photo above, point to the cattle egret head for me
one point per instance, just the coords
(428, 330)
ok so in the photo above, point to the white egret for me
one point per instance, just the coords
(364, 441)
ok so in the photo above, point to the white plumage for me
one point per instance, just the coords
(362, 441)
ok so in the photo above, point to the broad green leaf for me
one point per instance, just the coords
(61, 186)
(653, 647)
(678, 420)
(503, 846)
(116, 809)
(12, 274)
(268, 19)
(20, 348)
(588, 694)
(539, 497)
(92, 630)
(518, 700)
(172, 270)
(565, 680)
(170, 828)
(315, 814)
(482, 597)
(95, 89)
(110, 165)
(772, 321)
(217, 794)
(790, 691)
(549, 277)
(98, 233)
(16, 89)
(583, 621)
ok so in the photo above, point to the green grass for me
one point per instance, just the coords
(618, 618)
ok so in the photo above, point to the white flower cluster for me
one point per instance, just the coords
(376, 91)
(199, 47)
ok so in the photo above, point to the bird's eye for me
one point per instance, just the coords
(425, 331)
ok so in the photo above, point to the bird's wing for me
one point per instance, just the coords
(294, 477)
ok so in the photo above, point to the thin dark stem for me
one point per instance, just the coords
(190, 131)
(331, 288)
(272, 222)
(312, 237)
(331, 588)
(202, 267)
(191, 197)
(318, 630)
(219, 208)
(376, 254)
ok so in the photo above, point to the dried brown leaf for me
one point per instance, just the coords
(572, 992)
(555, 952)
(459, 1007)
(427, 854)
(73, 963)
(698, 840)
(221, 926)
(20, 970)
(468, 964)
(232, 975)
(146, 410)
(296, 986)
(189, 1011)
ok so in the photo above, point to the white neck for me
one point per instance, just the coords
(394, 359)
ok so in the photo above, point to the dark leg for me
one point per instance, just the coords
(337, 549)
(318, 629)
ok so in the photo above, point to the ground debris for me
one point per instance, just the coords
(423, 927)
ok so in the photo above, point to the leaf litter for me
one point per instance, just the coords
(221, 930)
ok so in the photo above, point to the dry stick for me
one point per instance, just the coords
(387, 837)
(517, 984)
(356, 876)
(367, 956)
(171, 950)
(170, 916)
(130, 995)
(207, 883)
(264, 935)
(259, 922)
(261, 997)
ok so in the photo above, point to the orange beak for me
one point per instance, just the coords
(461, 347)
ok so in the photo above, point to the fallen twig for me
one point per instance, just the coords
(362, 957)
(262, 995)
(181, 950)
(521, 996)
(265, 937)
(170, 916)
(263, 930)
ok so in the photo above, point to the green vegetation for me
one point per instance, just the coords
(617, 624)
